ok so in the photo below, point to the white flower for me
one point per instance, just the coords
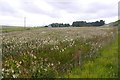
(34, 57)
(20, 62)
(51, 48)
(52, 64)
(45, 69)
(3, 69)
(62, 50)
(71, 39)
(58, 62)
(43, 32)
(15, 75)
(12, 71)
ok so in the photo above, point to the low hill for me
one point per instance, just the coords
(116, 23)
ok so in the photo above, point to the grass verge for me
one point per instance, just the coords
(103, 66)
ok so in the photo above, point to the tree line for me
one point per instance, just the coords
(84, 23)
(59, 25)
(78, 24)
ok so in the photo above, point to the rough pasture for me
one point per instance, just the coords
(50, 52)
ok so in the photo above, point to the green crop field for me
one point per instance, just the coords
(71, 52)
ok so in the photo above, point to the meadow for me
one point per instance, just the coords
(70, 52)
(6, 29)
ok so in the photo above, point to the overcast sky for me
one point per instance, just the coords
(43, 12)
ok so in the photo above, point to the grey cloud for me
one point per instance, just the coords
(7, 10)
(28, 6)
(100, 9)
(109, 13)
(119, 10)
(110, 10)
(69, 6)
(96, 7)
(81, 11)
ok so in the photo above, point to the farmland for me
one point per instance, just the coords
(73, 52)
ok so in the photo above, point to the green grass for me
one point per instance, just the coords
(26, 60)
(15, 28)
(103, 66)
(116, 23)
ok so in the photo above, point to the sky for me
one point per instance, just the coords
(44, 12)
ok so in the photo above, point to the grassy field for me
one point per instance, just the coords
(6, 29)
(85, 52)
(105, 65)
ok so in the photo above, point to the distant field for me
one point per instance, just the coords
(15, 28)
(75, 52)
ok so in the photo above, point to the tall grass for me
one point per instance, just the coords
(50, 52)
(105, 65)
